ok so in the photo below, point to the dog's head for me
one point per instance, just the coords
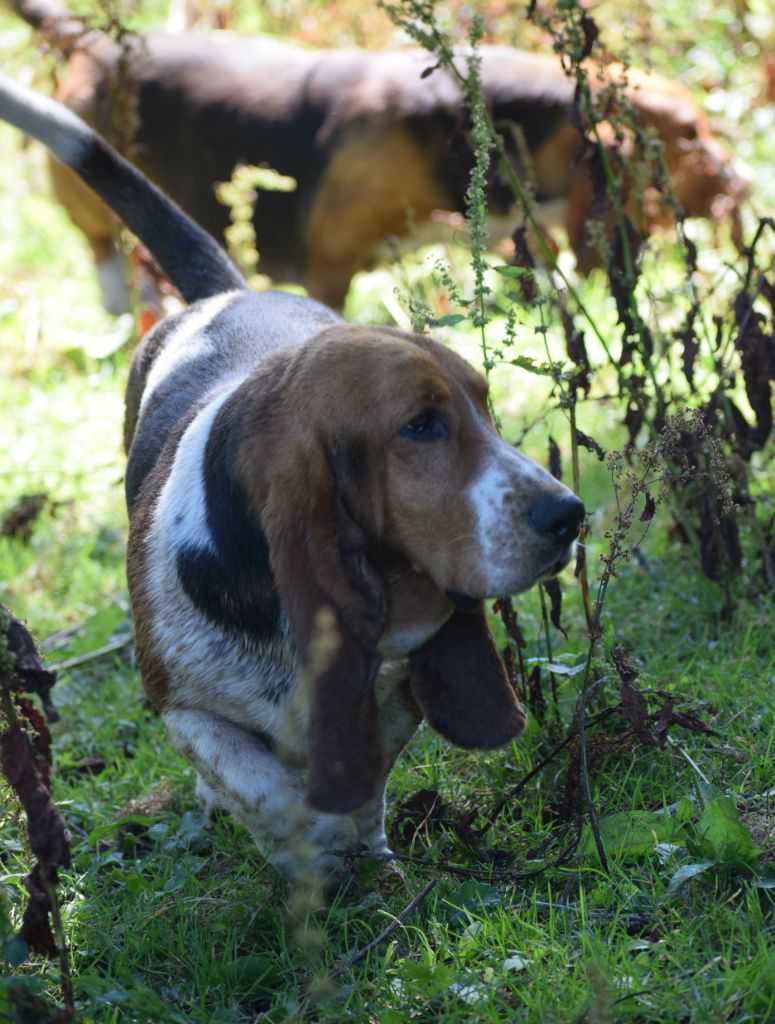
(371, 458)
(703, 179)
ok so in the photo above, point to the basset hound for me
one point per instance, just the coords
(378, 151)
(317, 513)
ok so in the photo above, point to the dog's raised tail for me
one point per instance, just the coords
(191, 258)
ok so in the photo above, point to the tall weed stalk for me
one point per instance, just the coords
(680, 391)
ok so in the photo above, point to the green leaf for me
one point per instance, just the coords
(426, 978)
(449, 320)
(540, 369)
(30, 984)
(526, 363)
(724, 837)
(193, 825)
(251, 974)
(509, 271)
(630, 834)
(709, 792)
(15, 951)
(476, 895)
(135, 883)
(689, 871)
(683, 810)
(102, 831)
(514, 963)
(564, 670)
(763, 883)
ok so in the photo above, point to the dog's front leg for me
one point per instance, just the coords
(399, 717)
(238, 772)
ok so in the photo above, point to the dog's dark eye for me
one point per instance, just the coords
(428, 426)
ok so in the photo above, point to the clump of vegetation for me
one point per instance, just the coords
(240, 196)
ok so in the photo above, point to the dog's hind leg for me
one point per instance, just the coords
(238, 772)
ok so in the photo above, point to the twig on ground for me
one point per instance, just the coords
(517, 789)
(82, 659)
(405, 914)
(629, 920)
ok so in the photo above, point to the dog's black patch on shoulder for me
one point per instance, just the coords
(231, 582)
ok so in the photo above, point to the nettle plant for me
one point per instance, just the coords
(679, 368)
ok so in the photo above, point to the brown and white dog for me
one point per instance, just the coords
(317, 512)
(373, 146)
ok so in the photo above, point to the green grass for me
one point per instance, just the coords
(169, 920)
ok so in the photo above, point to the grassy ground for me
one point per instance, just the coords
(170, 920)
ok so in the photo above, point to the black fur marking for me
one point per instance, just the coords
(192, 260)
(167, 144)
(350, 460)
(232, 583)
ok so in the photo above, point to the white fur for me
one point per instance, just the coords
(265, 791)
(400, 643)
(57, 128)
(191, 643)
(189, 341)
(503, 532)
(238, 772)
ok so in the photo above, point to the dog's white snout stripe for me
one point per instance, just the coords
(500, 497)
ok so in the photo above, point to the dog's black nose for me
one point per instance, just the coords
(557, 518)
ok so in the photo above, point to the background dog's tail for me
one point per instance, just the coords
(60, 28)
(191, 258)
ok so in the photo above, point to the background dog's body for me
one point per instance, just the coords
(373, 146)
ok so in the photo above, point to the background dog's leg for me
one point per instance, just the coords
(239, 773)
(99, 225)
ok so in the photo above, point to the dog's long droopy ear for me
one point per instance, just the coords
(336, 608)
(460, 683)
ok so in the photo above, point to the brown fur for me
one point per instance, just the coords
(459, 681)
(155, 678)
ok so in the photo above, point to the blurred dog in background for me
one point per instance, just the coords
(378, 150)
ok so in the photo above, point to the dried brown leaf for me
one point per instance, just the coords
(47, 837)
(591, 32)
(423, 811)
(19, 520)
(523, 257)
(576, 348)
(649, 509)
(555, 459)
(553, 589)
(625, 670)
(535, 695)
(667, 716)
(28, 671)
(591, 445)
(635, 709)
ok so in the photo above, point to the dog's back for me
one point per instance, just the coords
(194, 354)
